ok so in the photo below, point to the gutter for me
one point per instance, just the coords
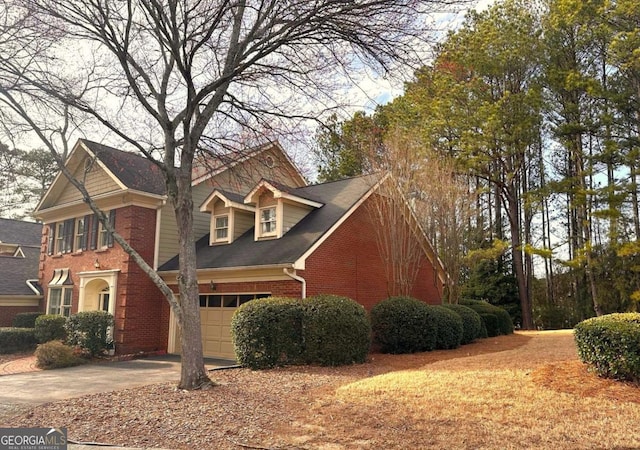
(297, 278)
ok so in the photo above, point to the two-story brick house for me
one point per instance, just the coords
(262, 232)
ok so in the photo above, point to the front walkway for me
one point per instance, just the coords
(21, 365)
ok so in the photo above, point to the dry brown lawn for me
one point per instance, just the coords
(522, 391)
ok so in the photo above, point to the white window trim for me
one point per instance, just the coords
(214, 228)
(275, 221)
(103, 235)
(59, 238)
(63, 295)
(79, 233)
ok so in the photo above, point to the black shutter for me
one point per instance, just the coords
(51, 243)
(85, 232)
(112, 222)
(94, 232)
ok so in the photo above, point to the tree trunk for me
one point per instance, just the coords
(193, 374)
(518, 265)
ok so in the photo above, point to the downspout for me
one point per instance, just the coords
(31, 284)
(297, 278)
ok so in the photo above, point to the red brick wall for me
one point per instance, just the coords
(348, 263)
(140, 322)
(289, 288)
(7, 313)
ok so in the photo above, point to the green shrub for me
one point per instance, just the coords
(403, 325)
(448, 326)
(25, 320)
(490, 324)
(336, 331)
(88, 330)
(267, 332)
(50, 327)
(16, 340)
(503, 324)
(471, 322)
(55, 355)
(611, 345)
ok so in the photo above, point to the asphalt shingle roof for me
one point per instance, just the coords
(134, 171)
(15, 271)
(20, 232)
(338, 197)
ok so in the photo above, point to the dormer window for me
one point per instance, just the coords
(230, 217)
(221, 231)
(268, 221)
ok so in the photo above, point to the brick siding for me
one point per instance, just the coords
(7, 313)
(141, 320)
(348, 263)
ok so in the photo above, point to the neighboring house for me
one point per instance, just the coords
(262, 231)
(19, 256)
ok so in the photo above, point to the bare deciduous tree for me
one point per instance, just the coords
(425, 191)
(171, 78)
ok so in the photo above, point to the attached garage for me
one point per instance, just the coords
(216, 311)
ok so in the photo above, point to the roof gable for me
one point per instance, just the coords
(279, 191)
(249, 166)
(133, 171)
(230, 200)
(103, 169)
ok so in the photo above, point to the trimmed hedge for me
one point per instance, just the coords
(502, 323)
(336, 331)
(448, 326)
(471, 322)
(403, 325)
(25, 320)
(88, 330)
(611, 345)
(50, 327)
(55, 355)
(327, 330)
(15, 340)
(267, 332)
(490, 324)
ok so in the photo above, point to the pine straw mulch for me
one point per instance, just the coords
(522, 391)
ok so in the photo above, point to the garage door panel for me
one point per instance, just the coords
(216, 313)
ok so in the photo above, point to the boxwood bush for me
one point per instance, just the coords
(15, 340)
(502, 323)
(267, 332)
(25, 320)
(327, 330)
(50, 327)
(611, 345)
(490, 322)
(471, 322)
(336, 331)
(403, 325)
(88, 330)
(448, 326)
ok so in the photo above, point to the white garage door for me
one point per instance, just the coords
(216, 311)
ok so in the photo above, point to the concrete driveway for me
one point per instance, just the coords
(51, 385)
